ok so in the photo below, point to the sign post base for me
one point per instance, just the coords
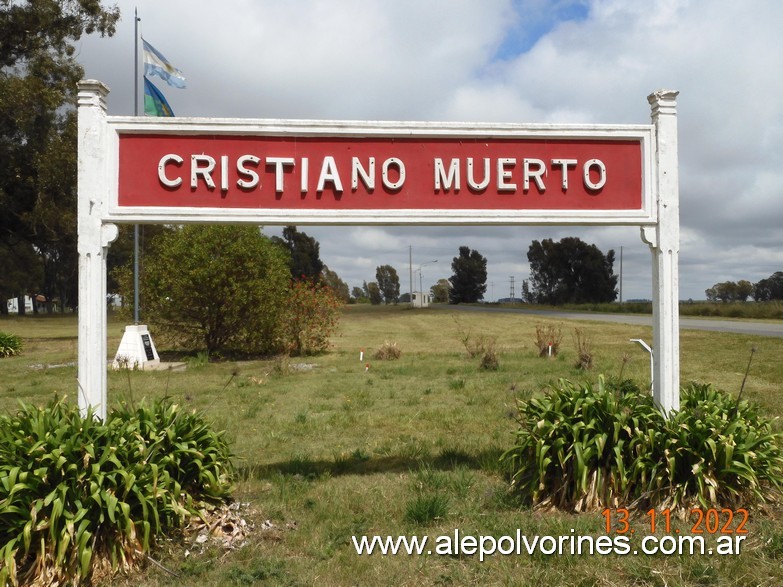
(137, 351)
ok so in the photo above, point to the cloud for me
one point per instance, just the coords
(518, 61)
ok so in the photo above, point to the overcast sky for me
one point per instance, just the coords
(565, 61)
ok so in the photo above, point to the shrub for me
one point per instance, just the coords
(309, 318)
(388, 351)
(548, 339)
(79, 497)
(475, 344)
(213, 287)
(489, 361)
(718, 450)
(10, 345)
(584, 350)
(587, 447)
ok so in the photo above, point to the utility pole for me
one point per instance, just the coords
(621, 275)
(410, 273)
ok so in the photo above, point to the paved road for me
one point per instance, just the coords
(753, 327)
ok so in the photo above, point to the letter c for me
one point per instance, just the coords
(169, 183)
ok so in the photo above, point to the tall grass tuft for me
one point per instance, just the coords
(79, 497)
(584, 349)
(388, 351)
(584, 447)
(10, 345)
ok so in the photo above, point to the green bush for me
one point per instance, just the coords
(10, 345)
(78, 496)
(586, 447)
(719, 451)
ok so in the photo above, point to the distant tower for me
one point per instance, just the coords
(512, 287)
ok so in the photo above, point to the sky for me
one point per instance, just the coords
(531, 61)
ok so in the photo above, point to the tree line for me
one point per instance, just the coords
(568, 271)
(38, 88)
(765, 290)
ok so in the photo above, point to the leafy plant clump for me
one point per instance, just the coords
(586, 447)
(10, 345)
(81, 498)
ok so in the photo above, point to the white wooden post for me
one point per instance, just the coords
(664, 241)
(93, 244)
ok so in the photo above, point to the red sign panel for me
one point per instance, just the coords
(385, 173)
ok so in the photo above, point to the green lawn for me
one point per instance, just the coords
(328, 448)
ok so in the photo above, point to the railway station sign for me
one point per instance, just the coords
(266, 172)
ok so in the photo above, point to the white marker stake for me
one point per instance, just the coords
(361, 355)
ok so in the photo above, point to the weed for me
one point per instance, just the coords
(10, 344)
(198, 361)
(282, 365)
(389, 351)
(548, 339)
(457, 384)
(475, 344)
(425, 509)
(489, 361)
(584, 349)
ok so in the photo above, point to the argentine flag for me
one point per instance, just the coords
(156, 64)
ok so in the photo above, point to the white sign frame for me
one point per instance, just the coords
(99, 210)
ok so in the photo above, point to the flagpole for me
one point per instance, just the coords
(136, 20)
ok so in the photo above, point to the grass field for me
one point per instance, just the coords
(328, 448)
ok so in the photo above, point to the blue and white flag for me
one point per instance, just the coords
(156, 64)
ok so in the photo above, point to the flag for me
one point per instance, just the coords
(155, 104)
(156, 64)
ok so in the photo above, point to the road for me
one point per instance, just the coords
(752, 327)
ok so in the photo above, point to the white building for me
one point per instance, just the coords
(40, 302)
(13, 305)
(420, 299)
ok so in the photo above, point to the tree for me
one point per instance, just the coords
(357, 293)
(571, 271)
(388, 282)
(770, 288)
(339, 287)
(303, 250)
(730, 291)
(38, 88)
(469, 281)
(527, 296)
(374, 293)
(440, 292)
(217, 287)
(121, 250)
(544, 270)
(22, 271)
(744, 290)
